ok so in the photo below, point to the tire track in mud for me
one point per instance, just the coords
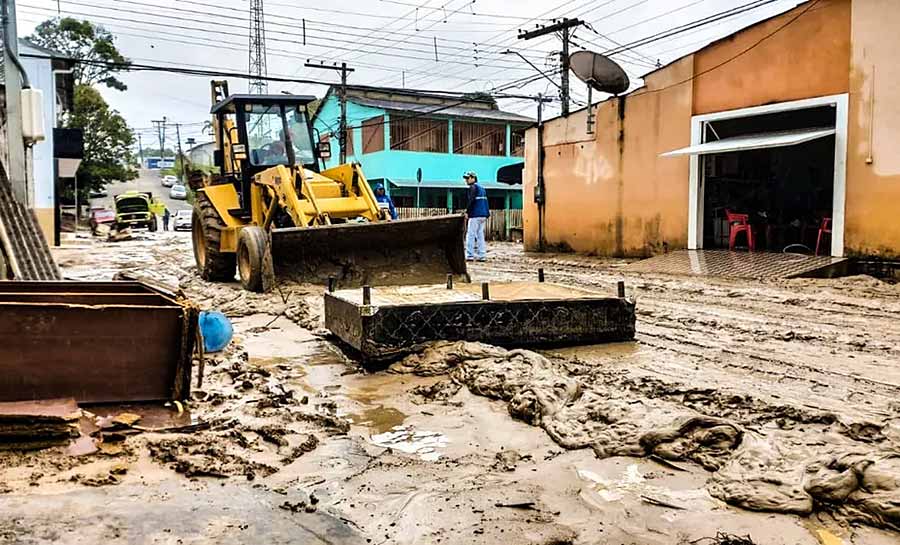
(809, 331)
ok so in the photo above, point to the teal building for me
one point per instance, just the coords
(400, 136)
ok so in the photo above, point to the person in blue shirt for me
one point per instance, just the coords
(383, 197)
(477, 212)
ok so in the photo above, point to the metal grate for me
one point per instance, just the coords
(736, 264)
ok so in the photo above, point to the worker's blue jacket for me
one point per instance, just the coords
(477, 206)
(386, 199)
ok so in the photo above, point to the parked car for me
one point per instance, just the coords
(96, 194)
(178, 191)
(183, 220)
(169, 180)
(101, 216)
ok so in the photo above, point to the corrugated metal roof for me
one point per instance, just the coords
(439, 110)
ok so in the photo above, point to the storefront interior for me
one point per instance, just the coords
(772, 188)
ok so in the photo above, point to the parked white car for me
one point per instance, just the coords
(183, 220)
(169, 180)
(178, 191)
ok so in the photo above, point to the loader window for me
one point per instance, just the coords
(265, 132)
(303, 148)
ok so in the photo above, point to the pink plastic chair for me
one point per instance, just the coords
(739, 223)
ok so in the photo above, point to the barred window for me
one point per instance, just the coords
(479, 138)
(418, 134)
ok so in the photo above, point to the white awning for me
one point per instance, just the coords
(753, 141)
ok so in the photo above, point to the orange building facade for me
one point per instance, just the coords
(614, 193)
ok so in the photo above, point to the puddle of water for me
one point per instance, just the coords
(378, 419)
(423, 444)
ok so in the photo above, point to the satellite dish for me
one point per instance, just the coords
(599, 72)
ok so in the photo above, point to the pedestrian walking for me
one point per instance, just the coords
(166, 216)
(477, 213)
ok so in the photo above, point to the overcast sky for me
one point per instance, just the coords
(387, 42)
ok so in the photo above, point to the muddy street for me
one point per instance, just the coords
(767, 409)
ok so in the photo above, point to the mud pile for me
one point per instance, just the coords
(763, 457)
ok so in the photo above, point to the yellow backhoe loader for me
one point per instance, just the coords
(272, 212)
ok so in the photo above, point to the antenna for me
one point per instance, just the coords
(600, 73)
(257, 48)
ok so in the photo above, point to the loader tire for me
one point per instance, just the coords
(206, 231)
(151, 225)
(254, 260)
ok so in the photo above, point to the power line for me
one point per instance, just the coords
(219, 31)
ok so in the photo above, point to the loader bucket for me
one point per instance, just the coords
(414, 251)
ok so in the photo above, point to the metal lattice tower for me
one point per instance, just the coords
(257, 48)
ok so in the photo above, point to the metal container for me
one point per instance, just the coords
(94, 341)
(519, 314)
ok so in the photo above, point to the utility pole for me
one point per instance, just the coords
(342, 137)
(161, 134)
(180, 154)
(16, 169)
(563, 27)
(257, 51)
(140, 150)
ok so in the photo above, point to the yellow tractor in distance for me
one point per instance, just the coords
(271, 211)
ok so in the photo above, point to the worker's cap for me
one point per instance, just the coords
(378, 186)
(470, 174)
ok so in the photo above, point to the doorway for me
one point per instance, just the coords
(782, 165)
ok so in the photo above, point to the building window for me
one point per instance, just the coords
(479, 138)
(417, 134)
(373, 134)
(517, 143)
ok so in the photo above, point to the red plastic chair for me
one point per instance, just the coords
(824, 228)
(739, 223)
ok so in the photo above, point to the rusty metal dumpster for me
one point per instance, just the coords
(94, 341)
(518, 314)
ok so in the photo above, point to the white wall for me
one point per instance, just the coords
(41, 75)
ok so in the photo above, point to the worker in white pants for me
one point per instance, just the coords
(477, 212)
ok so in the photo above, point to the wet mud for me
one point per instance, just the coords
(766, 410)
(764, 457)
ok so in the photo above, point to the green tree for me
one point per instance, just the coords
(108, 142)
(91, 44)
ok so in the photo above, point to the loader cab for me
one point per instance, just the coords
(258, 132)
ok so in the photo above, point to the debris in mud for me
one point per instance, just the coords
(508, 460)
(196, 457)
(30, 425)
(776, 468)
(439, 391)
(424, 444)
(724, 539)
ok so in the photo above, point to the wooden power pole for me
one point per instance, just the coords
(563, 27)
(342, 137)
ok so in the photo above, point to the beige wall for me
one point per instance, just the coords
(796, 59)
(620, 198)
(610, 193)
(872, 220)
(46, 220)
